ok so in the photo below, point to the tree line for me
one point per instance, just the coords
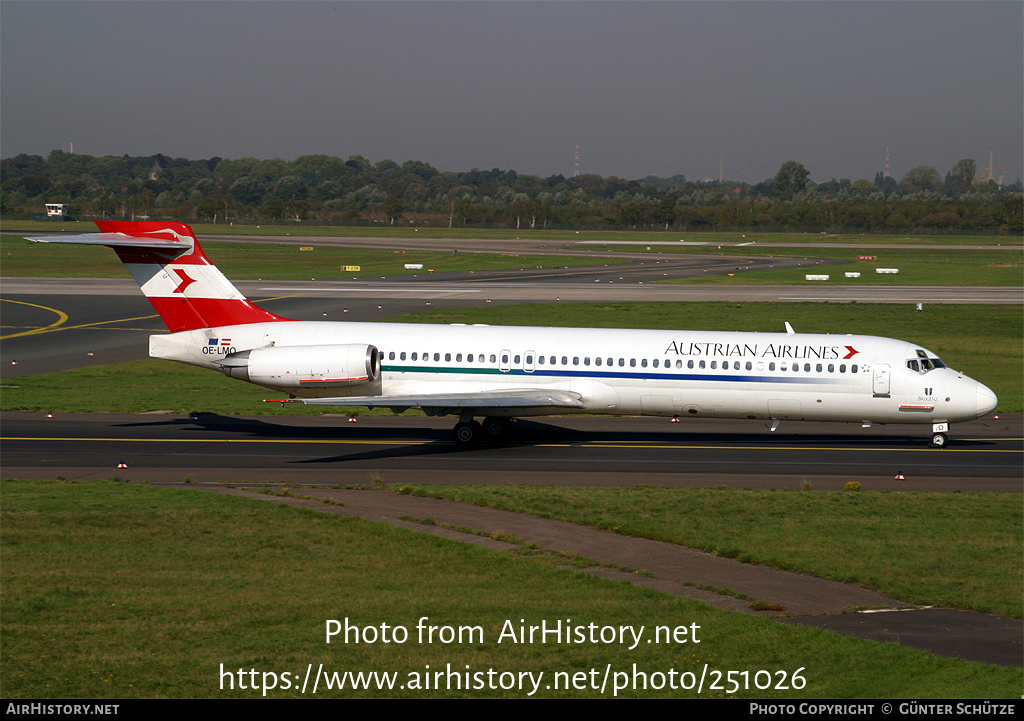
(330, 190)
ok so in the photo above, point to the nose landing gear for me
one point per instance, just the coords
(939, 438)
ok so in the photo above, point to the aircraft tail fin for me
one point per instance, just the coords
(165, 259)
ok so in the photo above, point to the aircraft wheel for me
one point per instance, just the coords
(467, 434)
(939, 440)
(495, 428)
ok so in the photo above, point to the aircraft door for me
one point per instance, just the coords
(880, 380)
(505, 361)
(528, 361)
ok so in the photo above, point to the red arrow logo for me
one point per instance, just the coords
(185, 281)
(852, 353)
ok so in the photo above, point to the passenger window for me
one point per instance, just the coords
(831, 368)
(643, 362)
(437, 356)
(853, 368)
(689, 364)
(402, 355)
(702, 365)
(655, 362)
(632, 362)
(517, 359)
(494, 358)
(817, 368)
(749, 365)
(597, 361)
(622, 362)
(415, 356)
(771, 367)
(714, 365)
(391, 355)
(458, 357)
(586, 361)
(447, 357)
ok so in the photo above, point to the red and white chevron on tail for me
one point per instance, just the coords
(166, 261)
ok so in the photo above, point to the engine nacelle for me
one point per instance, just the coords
(305, 366)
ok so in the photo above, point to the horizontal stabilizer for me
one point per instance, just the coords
(115, 240)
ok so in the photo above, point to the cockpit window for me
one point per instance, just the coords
(924, 362)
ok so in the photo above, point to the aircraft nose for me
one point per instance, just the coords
(986, 400)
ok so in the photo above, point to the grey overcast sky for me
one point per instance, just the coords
(644, 88)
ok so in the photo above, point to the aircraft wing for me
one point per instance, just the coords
(519, 398)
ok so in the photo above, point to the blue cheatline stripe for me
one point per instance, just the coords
(546, 373)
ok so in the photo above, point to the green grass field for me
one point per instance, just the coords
(114, 590)
(631, 236)
(1000, 267)
(958, 550)
(996, 262)
(246, 261)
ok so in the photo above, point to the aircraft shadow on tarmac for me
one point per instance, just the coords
(428, 441)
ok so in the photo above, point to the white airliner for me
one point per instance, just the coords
(498, 372)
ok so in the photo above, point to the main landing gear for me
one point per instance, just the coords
(469, 433)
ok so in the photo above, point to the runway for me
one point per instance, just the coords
(985, 455)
